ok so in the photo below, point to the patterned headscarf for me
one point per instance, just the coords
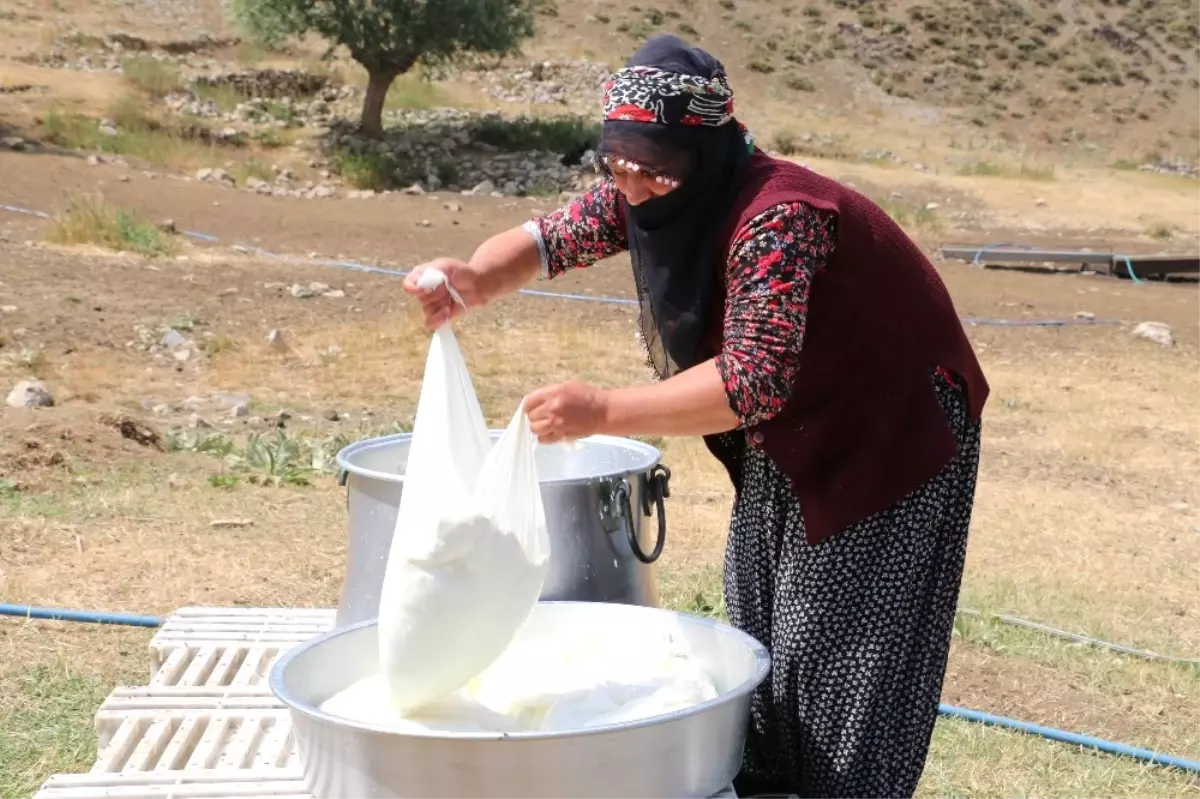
(649, 94)
(670, 113)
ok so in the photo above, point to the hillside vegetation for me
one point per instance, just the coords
(1039, 84)
(1106, 74)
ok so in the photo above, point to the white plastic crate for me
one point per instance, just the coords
(199, 627)
(206, 753)
(207, 725)
(231, 664)
(87, 786)
(166, 742)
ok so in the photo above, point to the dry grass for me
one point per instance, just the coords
(1020, 172)
(89, 220)
(155, 77)
(414, 92)
(1079, 199)
(137, 136)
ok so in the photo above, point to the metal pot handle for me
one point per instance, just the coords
(625, 509)
(655, 489)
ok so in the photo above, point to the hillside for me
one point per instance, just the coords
(1095, 82)
(1118, 79)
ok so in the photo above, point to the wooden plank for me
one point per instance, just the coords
(1029, 255)
(1156, 265)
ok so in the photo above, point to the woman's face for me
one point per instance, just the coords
(638, 183)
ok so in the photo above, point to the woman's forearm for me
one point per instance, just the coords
(692, 403)
(505, 263)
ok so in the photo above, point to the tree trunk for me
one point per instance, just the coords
(378, 83)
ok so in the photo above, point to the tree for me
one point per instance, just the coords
(389, 37)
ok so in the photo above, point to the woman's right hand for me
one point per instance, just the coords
(437, 304)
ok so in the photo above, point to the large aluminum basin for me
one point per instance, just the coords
(695, 752)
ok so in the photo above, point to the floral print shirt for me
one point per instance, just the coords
(771, 264)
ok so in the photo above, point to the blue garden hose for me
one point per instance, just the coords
(985, 248)
(83, 616)
(378, 270)
(1073, 738)
(1129, 268)
(949, 711)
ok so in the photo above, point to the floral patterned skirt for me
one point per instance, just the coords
(858, 627)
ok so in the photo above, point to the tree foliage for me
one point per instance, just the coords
(389, 37)
(266, 22)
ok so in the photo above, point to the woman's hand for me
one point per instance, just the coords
(437, 305)
(566, 411)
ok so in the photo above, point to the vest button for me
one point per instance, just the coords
(756, 437)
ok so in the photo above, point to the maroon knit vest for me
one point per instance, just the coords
(863, 428)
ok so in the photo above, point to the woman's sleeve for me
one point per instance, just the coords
(588, 230)
(771, 265)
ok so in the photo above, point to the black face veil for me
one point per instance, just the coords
(670, 109)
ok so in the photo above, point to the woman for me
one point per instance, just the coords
(850, 425)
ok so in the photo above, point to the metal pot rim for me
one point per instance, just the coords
(762, 668)
(651, 458)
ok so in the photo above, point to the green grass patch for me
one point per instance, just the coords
(36, 505)
(277, 458)
(26, 360)
(154, 77)
(414, 91)
(46, 726)
(553, 134)
(274, 138)
(286, 113)
(832, 147)
(1021, 172)
(137, 136)
(637, 29)
(699, 592)
(223, 97)
(971, 760)
(1002, 638)
(798, 83)
(912, 216)
(251, 52)
(1161, 231)
(129, 113)
(252, 168)
(375, 171)
(89, 220)
(1076, 609)
(786, 143)
(218, 345)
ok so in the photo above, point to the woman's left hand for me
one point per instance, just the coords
(566, 411)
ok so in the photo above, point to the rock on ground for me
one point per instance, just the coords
(1157, 332)
(30, 394)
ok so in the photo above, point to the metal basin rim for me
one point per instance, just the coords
(762, 667)
(652, 457)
